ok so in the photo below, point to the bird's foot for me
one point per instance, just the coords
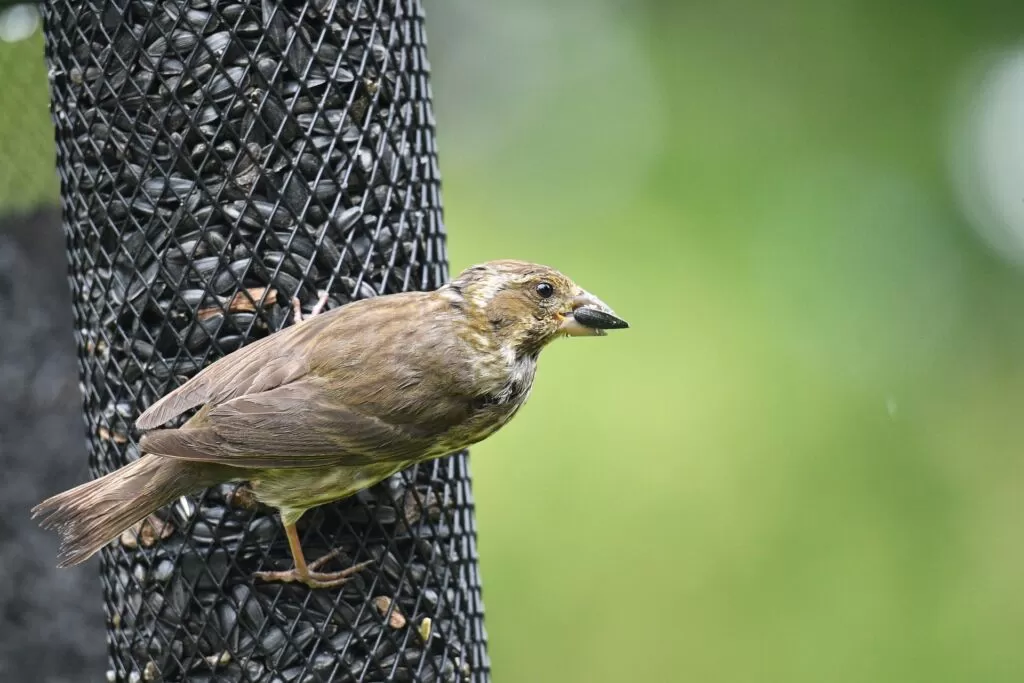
(318, 308)
(146, 532)
(312, 577)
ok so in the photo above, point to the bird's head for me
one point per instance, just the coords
(525, 305)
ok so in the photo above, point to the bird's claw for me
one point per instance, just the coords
(316, 564)
(318, 308)
(313, 578)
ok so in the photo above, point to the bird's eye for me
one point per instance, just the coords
(545, 290)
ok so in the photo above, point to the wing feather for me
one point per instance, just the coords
(357, 384)
(294, 426)
(264, 364)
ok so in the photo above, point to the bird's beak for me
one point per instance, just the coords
(590, 317)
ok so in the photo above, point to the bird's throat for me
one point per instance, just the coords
(516, 380)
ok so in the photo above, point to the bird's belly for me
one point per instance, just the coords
(301, 489)
(293, 491)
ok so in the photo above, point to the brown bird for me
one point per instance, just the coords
(320, 410)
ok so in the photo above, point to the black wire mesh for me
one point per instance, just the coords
(217, 159)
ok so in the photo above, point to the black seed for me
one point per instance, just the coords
(278, 122)
(293, 264)
(230, 278)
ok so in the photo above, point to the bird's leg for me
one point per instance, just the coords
(307, 574)
(317, 308)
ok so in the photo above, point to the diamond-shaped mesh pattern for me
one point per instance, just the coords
(216, 160)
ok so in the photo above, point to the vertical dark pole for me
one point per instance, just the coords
(218, 159)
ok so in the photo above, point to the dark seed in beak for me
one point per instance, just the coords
(598, 319)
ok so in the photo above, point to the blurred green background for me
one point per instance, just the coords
(804, 461)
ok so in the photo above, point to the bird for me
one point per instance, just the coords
(338, 401)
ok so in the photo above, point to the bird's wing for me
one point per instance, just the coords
(267, 363)
(297, 425)
(370, 381)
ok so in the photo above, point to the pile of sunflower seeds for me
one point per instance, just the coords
(218, 160)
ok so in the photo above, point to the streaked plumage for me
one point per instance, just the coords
(322, 409)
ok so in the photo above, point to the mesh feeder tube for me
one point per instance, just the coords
(216, 161)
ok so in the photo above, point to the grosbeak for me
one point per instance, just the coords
(320, 410)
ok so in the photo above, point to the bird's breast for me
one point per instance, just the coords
(502, 394)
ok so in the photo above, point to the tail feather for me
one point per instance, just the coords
(92, 514)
